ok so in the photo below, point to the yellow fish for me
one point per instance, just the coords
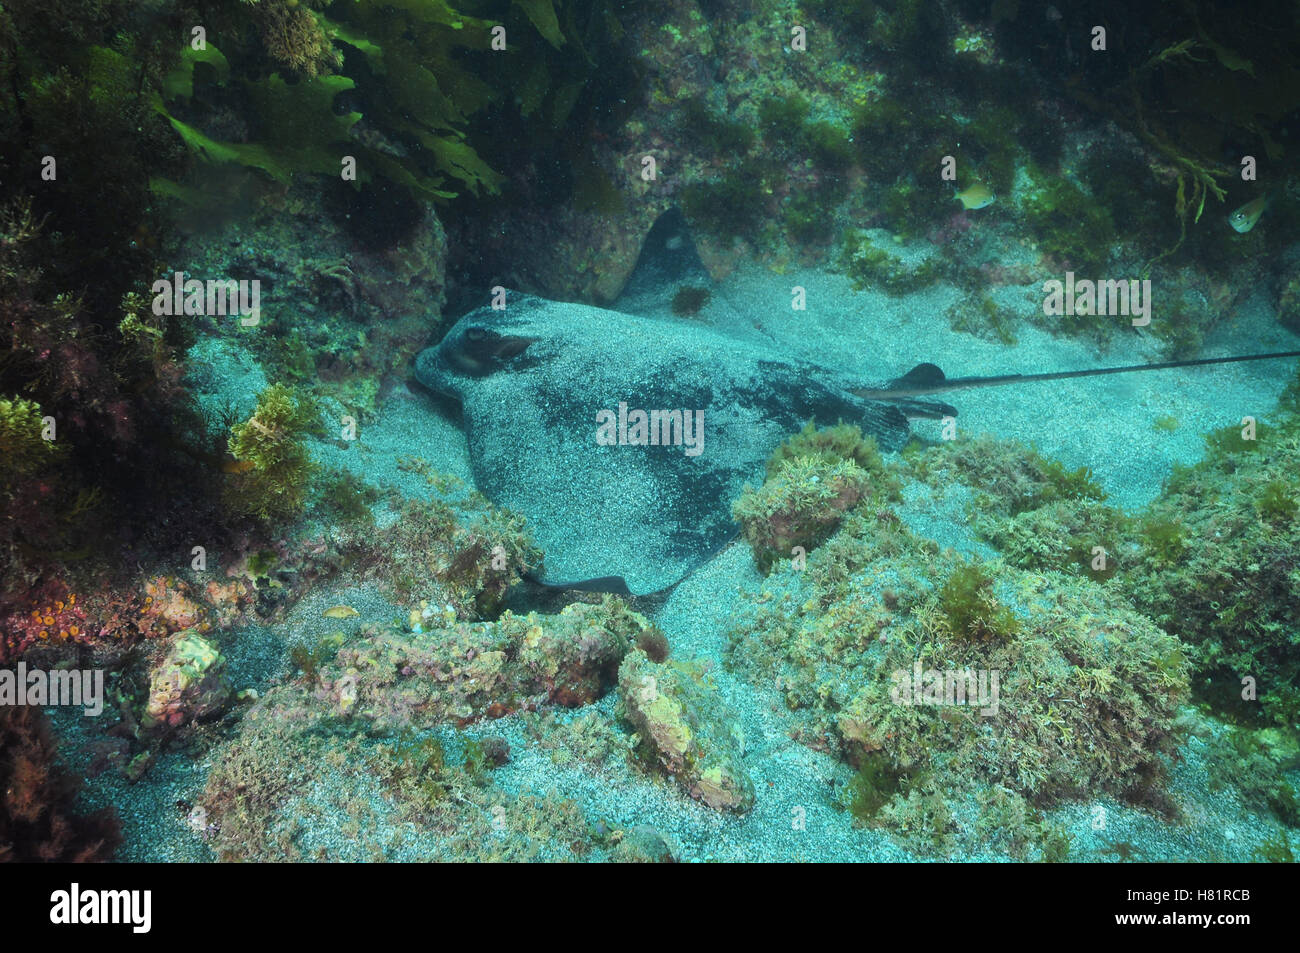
(340, 612)
(1244, 219)
(236, 466)
(978, 195)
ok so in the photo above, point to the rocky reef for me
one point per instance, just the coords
(324, 643)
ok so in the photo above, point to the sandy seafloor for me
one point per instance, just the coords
(1105, 423)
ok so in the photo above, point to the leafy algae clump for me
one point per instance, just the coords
(813, 479)
(798, 507)
(968, 603)
(843, 442)
(272, 466)
(25, 452)
(1216, 564)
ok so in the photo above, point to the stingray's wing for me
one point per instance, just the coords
(647, 514)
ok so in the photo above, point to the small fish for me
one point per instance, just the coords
(236, 466)
(978, 195)
(1244, 219)
(341, 612)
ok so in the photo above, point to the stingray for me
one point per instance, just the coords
(625, 439)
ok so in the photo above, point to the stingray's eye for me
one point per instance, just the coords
(482, 351)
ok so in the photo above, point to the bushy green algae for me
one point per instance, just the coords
(422, 76)
(1219, 564)
(1088, 686)
(1213, 559)
(1087, 694)
(813, 478)
(272, 468)
(26, 453)
(868, 265)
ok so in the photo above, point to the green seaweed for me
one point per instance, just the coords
(1072, 227)
(347, 497)
(422, 75)
(1275, 850)
(807, 219)
(1166, 423)
(273, 465)
(875, 784)
(839, 443)
(1276, 503)
(867, 265)
(688, 301)
(733, 206)
(1229, 440)
(780, 116)
(1163, 538)
(829, 145)
(715, 134)
(967, 602)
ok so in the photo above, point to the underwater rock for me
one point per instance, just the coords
(188, 685)
(1053, 686)
(575, 657)
(409, 278)
(300, 788)
(472, 670)
(228, 600)
(453, 558)
(684, 729)
(799, 507)
(1213, 560)
(169, 601)
(642, 845)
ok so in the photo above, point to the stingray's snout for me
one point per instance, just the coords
(430, 372)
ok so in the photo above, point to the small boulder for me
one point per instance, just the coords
(189, 684)
(683, 728)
